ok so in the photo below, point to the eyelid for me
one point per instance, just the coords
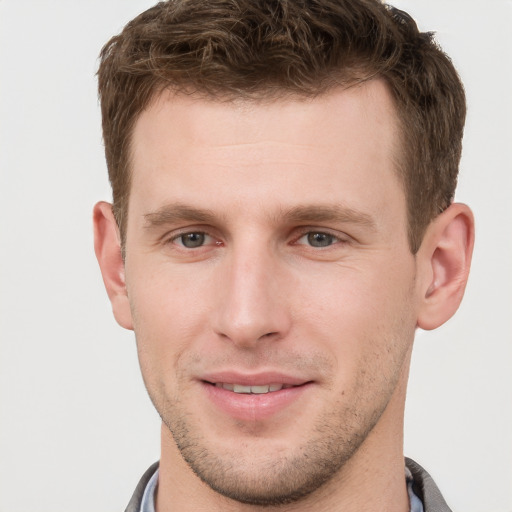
(171, 237)
(306, 230)
(178, 239)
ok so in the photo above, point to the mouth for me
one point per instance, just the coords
(254, 398)
(251, 390)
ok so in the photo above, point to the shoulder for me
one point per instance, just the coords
(135, 502)
(426, 489)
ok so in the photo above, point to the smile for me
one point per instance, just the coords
(253, 390)
(254, 397)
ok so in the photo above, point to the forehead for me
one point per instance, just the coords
(371, 100)
(317, 150)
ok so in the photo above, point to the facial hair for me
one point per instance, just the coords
(282, 476)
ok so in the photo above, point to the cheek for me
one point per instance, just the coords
(165, 299)
(361, 314)
(366, 293)
(168, 317)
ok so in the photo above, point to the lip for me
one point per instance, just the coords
(253, 379)
(253, 407)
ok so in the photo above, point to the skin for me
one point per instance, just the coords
(271, 239)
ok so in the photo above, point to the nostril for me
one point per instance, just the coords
(269, 335)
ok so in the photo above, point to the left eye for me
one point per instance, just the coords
(318, 239)
(192, 240)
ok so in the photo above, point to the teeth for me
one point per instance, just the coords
(238, 388)
(255, 390)
(259, 390)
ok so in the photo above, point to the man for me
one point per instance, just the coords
(283, 177)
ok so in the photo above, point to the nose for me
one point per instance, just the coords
(251, 303)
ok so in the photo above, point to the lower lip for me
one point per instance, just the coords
(253, 407)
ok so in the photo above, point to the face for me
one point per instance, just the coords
(271, 287)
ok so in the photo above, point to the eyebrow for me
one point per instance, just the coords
(178, 212)
(329, 213)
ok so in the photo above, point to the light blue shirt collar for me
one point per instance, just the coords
(148, 498)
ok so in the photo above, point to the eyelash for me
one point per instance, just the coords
(334, 239)
(174, 239)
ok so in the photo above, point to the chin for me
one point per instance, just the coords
(260, 471)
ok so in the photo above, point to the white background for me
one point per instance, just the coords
(76, 427)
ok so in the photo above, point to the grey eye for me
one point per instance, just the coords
(192, 240)
(320, 239)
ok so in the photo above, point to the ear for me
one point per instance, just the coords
(444, 259)
(107, 246)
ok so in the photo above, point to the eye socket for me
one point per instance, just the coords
(192, 240)
(318, 239)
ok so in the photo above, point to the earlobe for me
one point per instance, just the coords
(107, 246)
(445, 258)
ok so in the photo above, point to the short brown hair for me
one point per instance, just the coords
(261, 49)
